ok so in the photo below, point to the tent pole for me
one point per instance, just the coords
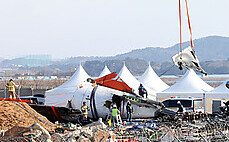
(204, 102)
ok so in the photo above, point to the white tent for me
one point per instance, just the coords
(220, 92)
(105, 71)
(61, 94)
(128, 78)
(131, 81)
(215, 97)
(150, 79)
(77, 90)
(190, 85)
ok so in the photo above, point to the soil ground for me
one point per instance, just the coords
(15, 114)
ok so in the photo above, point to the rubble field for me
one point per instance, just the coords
(19, 122)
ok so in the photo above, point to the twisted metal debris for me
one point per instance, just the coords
(207, 129)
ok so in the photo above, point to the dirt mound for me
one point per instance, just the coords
(15, 114)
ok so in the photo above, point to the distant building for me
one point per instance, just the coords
(30, 61)
(37, 60)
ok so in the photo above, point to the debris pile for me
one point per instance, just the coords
(25, 124)
(18, 114)
(96, 131)
(207, 129)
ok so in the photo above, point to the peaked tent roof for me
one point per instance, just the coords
(78, 77)
(222, 88)
(66, 90)
(128, 78)
(189, 85)
(105, 71)
(131, 81)
(151, 80)
(221, 91)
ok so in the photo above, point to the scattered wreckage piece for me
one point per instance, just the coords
(61, 114)
(187, 58)
(18, 133)
(101, 136)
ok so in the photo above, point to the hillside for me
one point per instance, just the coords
(212, 52)
(207, 49)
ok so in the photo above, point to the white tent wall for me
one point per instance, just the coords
(190, 85)
(220, 93)
(60, 95)
(58, 100)
(151, 93)
(150, 79)
(131, 81)
(209, 101)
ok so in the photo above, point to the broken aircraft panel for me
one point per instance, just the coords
(188, 59)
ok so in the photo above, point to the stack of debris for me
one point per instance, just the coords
(96, 131)
(18, 114)
(25, 124)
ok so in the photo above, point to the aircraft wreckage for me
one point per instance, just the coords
(99, 95)
(187, 57)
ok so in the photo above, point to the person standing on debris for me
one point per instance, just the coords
(84, 110)
(142, 91)
(115, 113)
(11, 88)
(129, 110)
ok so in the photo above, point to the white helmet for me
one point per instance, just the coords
(114, 105)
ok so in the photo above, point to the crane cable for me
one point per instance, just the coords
(180, 26)
(189, 24)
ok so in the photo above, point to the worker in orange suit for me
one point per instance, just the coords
(11, 88)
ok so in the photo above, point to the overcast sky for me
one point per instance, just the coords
(65, 28)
